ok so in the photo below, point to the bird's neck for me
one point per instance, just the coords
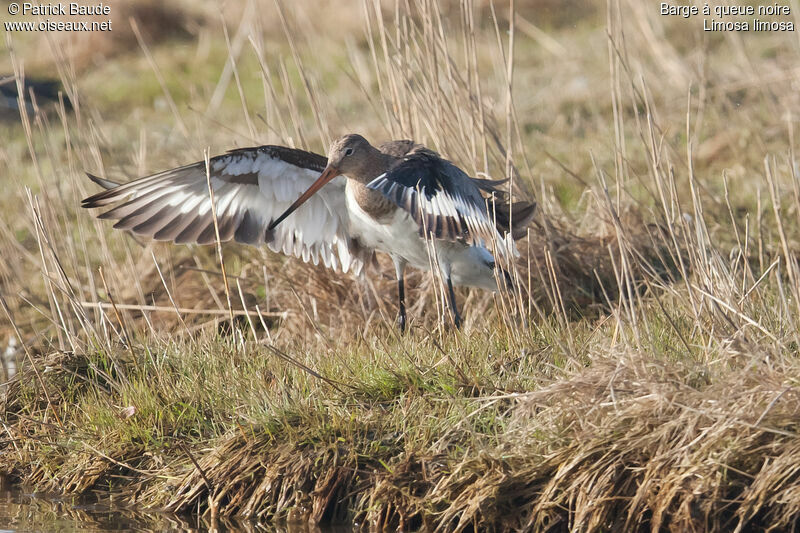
(371, 202)
(373, 164)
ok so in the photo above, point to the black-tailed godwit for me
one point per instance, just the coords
(399, 198)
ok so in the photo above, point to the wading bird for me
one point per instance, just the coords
(399, 198)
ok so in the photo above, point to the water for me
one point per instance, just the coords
(23, 511)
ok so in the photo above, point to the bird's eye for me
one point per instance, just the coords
(348, 151)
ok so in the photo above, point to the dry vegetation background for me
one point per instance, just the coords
(643, 375)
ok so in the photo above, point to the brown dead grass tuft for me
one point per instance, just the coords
(666, 445)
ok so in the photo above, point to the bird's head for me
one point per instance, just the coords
(350, 155)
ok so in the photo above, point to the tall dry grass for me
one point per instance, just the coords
(641, 375)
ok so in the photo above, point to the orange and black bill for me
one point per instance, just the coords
(327, 175)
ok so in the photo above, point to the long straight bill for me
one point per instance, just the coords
(327, 175)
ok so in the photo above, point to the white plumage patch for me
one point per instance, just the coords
(251, 188)
(444, 214)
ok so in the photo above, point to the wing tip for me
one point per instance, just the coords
(104, 183)
(99, 199)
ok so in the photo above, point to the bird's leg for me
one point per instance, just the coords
(453, 306)
(399, 266)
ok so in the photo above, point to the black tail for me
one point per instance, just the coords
(516, 217)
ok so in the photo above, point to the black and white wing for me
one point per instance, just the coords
(252, 186)
(444, 201)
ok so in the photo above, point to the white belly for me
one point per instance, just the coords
(399, 237)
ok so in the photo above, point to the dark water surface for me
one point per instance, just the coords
(24, 511)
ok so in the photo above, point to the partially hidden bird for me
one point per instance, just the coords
(399, 198)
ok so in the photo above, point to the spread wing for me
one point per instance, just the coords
(445, 202)
(251, 187)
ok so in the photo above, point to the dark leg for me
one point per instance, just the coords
(399, 265)
(507, 279)
(453, 306)
(401, 294)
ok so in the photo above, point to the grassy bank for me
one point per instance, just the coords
(642, 375)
